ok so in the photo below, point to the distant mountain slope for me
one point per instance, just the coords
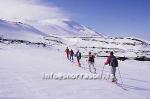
(44, 28)
(18, 30)
(64, 28)
(129, 47)
(64, 33)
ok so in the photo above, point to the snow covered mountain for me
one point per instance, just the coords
(123, 47)
(68, 33)
(44, 28)
(63, 28)
(18, 30)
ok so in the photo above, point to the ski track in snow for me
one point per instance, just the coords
(21, 70)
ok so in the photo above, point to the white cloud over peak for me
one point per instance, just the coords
(20, 10)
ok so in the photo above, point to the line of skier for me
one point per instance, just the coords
(111, 60)
(70, 54)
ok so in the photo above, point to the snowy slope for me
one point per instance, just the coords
(29, 51)
(63, 28)
(69, 33)
(123, 47)
(22, 69)
(19, 30)
(38, 29)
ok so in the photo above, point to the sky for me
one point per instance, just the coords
(110, 17)
(19, 10)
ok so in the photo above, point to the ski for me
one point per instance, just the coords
(121, 86)
(115, 82)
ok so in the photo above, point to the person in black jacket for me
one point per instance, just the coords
(113, 62)
(91, 62)
(71, 55)
(78, 55)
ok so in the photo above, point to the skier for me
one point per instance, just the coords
(91, 62)
(67, 52)
(113, 62)
(71, 55)
(78, 55)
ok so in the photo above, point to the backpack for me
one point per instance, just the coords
(91, 58)
(78, 55)
(71, 52)
(114, 61)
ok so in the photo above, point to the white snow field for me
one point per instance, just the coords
(22, 68)
(28, 52)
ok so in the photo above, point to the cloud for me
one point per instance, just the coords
(18, 10)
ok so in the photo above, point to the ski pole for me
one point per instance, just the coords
(102, 71)
(120, 77)
(121, 80)
(109, 74)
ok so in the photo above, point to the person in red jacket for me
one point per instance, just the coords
(112, 61)
(108, 58)
(67, 52)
